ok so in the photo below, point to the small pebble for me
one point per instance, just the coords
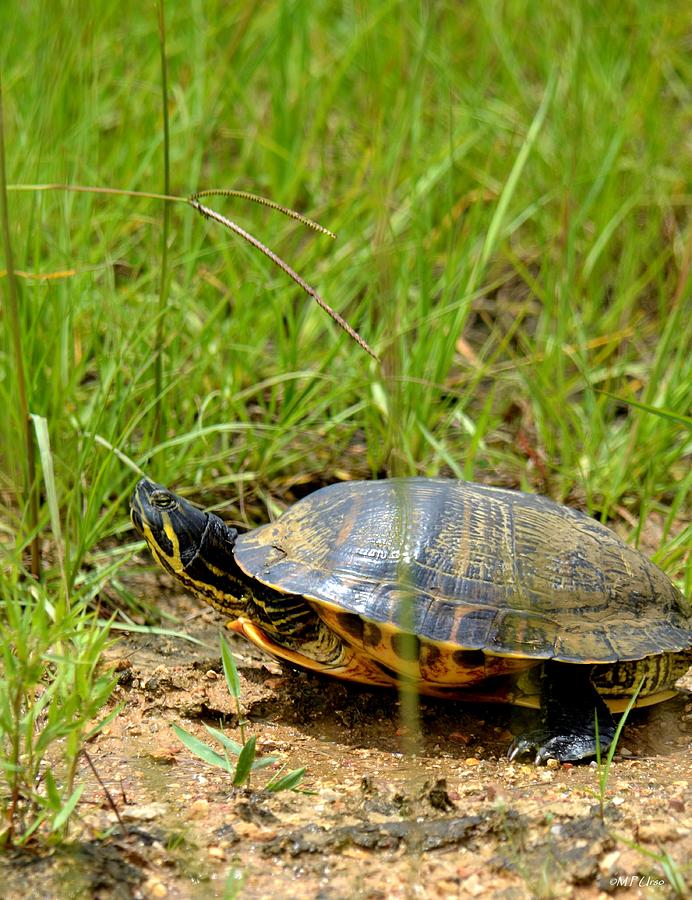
(246, 830)
(199, 809)
(546, 776)
(211, 675)
(267, 834)
(472, 761)
(268, 744)
(215, 853)
(163, 754)
(657, 832)
(144, 813)
(553, 763)
(608, 861)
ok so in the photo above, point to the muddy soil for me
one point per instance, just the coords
(371, 821)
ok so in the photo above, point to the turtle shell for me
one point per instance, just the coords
(476, 567)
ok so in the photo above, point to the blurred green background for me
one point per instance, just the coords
(508, 185)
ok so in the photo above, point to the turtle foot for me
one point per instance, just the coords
(569, 747)
(571, 707)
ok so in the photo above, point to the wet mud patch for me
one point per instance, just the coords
(456, 820)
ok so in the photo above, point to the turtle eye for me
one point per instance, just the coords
(163, 500)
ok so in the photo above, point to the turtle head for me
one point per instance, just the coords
(193, 545)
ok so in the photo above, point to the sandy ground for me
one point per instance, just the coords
(455, 820)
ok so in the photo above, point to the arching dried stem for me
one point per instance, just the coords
(342, 323)
(264, 201)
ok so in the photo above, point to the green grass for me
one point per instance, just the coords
(52, 691)
(247, 760)
(507, 183)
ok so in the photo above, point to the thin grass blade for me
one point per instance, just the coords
(230, 670)
(69, 807)
(686, 421)
(245, 762)
(43, 440)
(288, 782)
(200, 749)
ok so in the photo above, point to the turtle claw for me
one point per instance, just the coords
(539, 742)
(514, 751)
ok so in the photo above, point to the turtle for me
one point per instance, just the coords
(460, 590)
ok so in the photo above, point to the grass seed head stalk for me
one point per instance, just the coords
(160, 427)
(310, 291)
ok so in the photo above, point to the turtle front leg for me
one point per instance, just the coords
(569, 704)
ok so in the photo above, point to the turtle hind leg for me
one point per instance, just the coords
(570, 704)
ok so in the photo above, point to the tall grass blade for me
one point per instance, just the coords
(685, 421)
(12, 303)
(498, 218)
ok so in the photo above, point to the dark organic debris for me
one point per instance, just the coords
(226, 832)
(89, 869)
(569, 851)
(254, 809)
(425, 836)
(438, 796)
